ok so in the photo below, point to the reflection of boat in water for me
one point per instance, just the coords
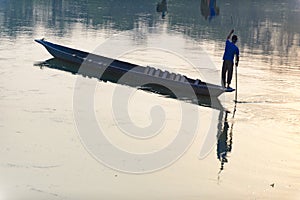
(135, 75)
(74, 68)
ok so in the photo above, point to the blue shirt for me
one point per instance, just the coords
(230, 50)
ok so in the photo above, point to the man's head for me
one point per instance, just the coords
(234, 38)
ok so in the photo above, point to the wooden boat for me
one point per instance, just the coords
(135, 75)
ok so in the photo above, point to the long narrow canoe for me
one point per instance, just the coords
(132, 74)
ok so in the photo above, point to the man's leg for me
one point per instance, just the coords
(229, 65)
(224, 74)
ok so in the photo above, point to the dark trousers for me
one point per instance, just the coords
(227, 69)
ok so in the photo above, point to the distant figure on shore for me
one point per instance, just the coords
(162, 7)
(209, 9)
(230, 50)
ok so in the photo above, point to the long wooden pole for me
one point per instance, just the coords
(236, 87)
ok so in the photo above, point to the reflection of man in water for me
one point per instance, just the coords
(162, 7)
(209, 9)
(230, 50)
(224, 145)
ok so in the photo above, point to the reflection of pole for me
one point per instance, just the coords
(231, 128)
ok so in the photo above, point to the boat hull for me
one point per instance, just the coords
(131, 74)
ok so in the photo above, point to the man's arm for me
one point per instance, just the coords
(237, 57)
(228, 37)
(237, 60)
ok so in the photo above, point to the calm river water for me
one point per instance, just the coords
(252, 153)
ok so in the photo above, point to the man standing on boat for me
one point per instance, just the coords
(230, 50)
